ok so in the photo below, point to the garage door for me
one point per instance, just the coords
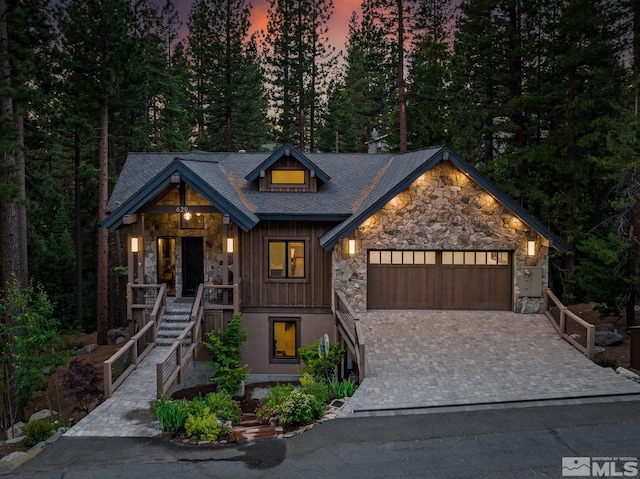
(439, 280)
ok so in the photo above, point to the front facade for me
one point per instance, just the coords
(421, 230)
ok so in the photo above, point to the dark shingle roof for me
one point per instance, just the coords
(360, 184)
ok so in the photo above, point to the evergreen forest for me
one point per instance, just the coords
(539, 95)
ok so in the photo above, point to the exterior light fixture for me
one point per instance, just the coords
(187, 216)
(351, 247)
(229, 245)
(531, 248)
(135, 247)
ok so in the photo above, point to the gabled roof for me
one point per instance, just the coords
(408, 168)
(208, 180)
(360, 185)
(288, 150)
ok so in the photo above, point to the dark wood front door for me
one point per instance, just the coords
(192, 265)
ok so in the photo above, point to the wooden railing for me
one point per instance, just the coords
(171, 368)
(570, 326)
(349, 330)
(153, 299)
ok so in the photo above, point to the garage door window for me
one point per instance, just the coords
(496, 258)
(402, 257)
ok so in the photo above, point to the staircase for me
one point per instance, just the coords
(175, 320)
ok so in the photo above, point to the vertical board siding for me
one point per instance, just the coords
(259, 292)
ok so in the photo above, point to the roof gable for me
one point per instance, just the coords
(406, 168)
(220, 194)
(288, 150)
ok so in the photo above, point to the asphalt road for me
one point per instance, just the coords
(522, 442)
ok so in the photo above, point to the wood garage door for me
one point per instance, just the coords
(439, 280)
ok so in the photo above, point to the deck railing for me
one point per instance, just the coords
(348, 324)
(153, 300)
(171, 368)
(570, 326)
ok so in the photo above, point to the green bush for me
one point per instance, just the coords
(300, 409)
(204, 426)
(321, 368)
(38, 431)
(607, 363)
(171, 414)
(341, 389)
(225, 408)
(320, 390)
(224, 345)
(271, 406)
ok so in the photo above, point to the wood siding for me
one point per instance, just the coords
(258, 291)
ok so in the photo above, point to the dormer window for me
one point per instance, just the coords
(288, 177)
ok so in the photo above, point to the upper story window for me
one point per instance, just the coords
(286, 259)
(288, 177)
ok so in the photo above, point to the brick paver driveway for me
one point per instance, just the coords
(417, 360)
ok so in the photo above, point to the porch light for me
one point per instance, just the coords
(531, 248)
(135, 247)
(229, 245)
(352, 247)
(187, 216)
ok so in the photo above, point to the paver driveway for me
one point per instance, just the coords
(423, 359)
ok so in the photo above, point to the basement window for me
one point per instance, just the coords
(285, 339)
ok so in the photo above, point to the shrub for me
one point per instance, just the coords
(204, 426)
(37, 431)
(171, 414)
(321, 368)
(269, 409)
(224, 345)
(81, 382)
(225, 408)
(319, 390)
(341, 389)
(607, 363)
(300, 409)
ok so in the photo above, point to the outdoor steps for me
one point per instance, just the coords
(174, 321)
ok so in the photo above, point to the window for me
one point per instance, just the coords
(285, 339)
(286, 259)
(287, 177)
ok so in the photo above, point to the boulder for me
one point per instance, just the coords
(87, 349)
(113, 335)
(15, 431)
(628, 374)
(42, 414)
(608, 338)
(12, 456)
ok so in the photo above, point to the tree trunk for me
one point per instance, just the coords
(402, 101)
(78, 227)
(102, 321)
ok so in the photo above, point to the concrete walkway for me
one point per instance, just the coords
(418, 361)
(127, 413)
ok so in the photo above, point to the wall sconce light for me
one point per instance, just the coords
(531, 248)
(187, 216)
(229, 245)
(351, 247)
(135, 247)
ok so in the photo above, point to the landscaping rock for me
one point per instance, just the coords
(15, 440)
(608, 338)
(12, 456)
(43, 414)
(15, 431)
(628, 374)
(605, 327)
(114, 335)
(87, 349)
(120, 340)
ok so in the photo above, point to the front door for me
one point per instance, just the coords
(192, 265)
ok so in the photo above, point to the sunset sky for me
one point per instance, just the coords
(338, 27)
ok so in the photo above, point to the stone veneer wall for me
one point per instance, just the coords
(441, 210)
(168, 225)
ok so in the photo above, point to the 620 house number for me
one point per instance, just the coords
(182, 209)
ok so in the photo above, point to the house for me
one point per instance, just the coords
(419, 230)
